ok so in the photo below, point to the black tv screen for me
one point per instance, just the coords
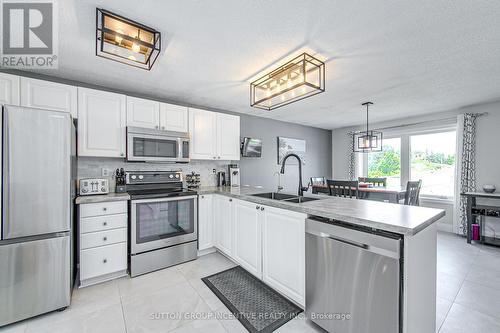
(251, 147)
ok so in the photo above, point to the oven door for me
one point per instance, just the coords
(158, 223)
(153, 148)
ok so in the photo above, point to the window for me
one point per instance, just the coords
(432, 159)
(426, 154)
(387, 163)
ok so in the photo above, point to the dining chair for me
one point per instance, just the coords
(343, 188)
(375, 181)
(315, 181)
(412, 193)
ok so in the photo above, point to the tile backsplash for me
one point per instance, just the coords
(91, 167)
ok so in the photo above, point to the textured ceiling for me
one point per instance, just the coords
(408, 57)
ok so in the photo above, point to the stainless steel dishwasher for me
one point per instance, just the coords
(353, 278)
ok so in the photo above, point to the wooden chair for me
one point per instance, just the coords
(318, 181)
(374, 181)
(343, 188)
(412, 193)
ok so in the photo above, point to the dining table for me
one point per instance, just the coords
(391, 194)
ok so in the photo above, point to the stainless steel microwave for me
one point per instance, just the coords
(149, 145)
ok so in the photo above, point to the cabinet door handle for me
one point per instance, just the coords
(257, 207)
(104, 209)
(104, 223)
(163, 127)
(105, 238)
(156, 126)
(218, 157)
(230, 200)
(122, 154)
(203, 197)
(104, 260)
(261, 208)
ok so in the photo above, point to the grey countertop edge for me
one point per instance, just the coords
(328, 213)
(86, 199)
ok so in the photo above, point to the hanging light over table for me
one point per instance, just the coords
(368, 140)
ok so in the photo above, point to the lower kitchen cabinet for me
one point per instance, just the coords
(205, 222)
(102, 243)
(223, 222)
(247, 236)
(283, 247)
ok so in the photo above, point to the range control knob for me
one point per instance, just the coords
(133, 176)
(84, 190)
(170, 176)
(103, 189)
(141, 177)
(177, 175)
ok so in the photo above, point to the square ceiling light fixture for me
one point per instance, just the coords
(126, 41)
(367, 141)
(301, 77)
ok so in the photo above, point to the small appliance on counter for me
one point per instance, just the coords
(91, 186)
(120, 181)
(234, 175)
(193, 180)
(221, 178)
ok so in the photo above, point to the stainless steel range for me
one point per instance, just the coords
(163, 221)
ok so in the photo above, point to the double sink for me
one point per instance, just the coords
(284, 197)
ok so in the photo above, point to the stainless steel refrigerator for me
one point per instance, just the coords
(38, 154)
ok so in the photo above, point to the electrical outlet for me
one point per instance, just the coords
(104, 172)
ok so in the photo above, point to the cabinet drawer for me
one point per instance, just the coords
(101, 223)
(103, 260)
(101, 238)
(103, 208)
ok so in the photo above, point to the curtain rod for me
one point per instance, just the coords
(425, 122)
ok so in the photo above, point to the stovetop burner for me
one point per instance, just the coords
(155, 184)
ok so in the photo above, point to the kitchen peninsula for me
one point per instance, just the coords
(249, 229)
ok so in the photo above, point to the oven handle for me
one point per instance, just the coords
(186, 197)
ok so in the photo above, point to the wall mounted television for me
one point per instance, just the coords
(251, 147)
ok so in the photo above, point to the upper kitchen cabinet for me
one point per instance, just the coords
(228, 137)
(101, 123)
(203, 130)
(173, 118)
(214, 136)
(49, 95)
(143, 113)
(9, 89)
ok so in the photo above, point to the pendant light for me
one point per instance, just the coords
(369, 140)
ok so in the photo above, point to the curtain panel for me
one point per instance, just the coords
(465, 166)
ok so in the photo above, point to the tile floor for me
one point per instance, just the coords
(468, 299)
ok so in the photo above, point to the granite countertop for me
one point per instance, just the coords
(401, 219)
(85, 199)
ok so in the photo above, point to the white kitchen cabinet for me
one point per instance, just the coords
(9, 89)
(228, 137)
(247, 236)
(102, 241)
(214, 136)
(205, 222)
(283, 258)
(203, 130)
(101, 123)
(223, 221)
(143, 113)
(173, 118)
(49, 95)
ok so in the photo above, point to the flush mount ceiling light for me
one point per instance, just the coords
(301, 77)
(369, 140)
(126, 41)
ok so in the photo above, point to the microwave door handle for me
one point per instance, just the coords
(179, 148)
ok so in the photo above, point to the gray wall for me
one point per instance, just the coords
(260, 171)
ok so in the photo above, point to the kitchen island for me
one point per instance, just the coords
(267, 237)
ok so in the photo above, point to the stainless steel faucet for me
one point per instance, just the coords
(301, 188)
